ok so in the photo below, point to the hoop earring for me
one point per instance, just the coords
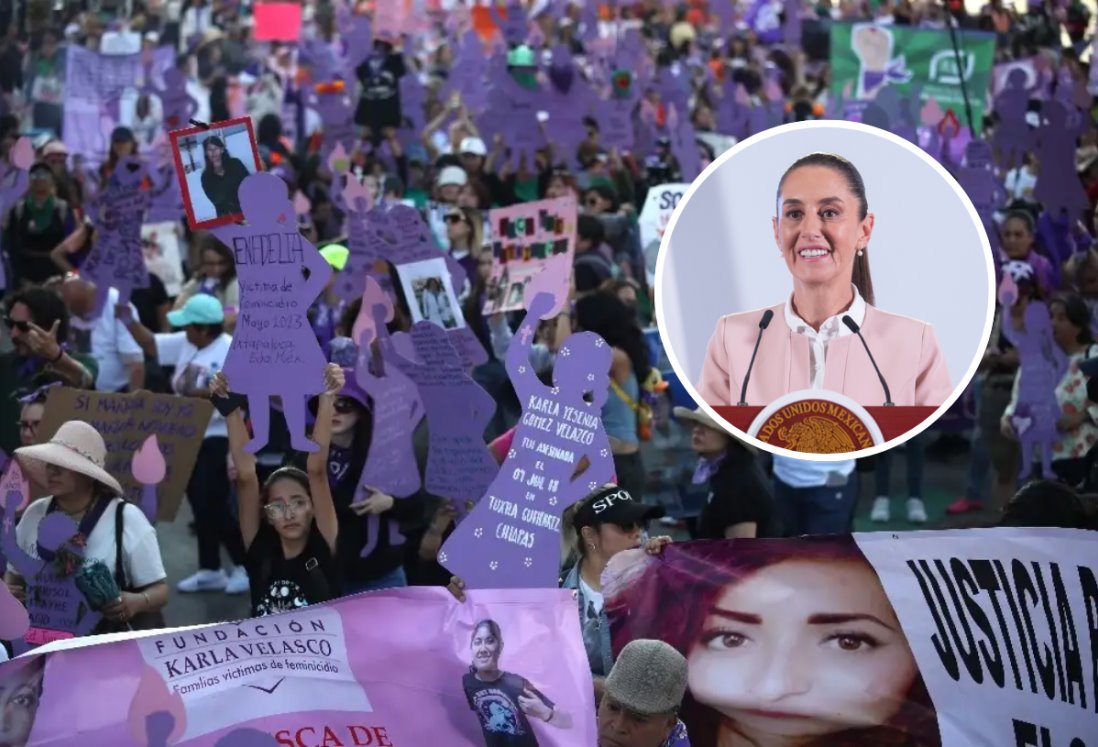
(591, 547)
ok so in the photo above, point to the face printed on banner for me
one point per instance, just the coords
(486, 647)
(20, 692)
(801, 649)
(289, 508)
(819, 229)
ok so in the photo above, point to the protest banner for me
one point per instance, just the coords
(524, 237)
(658, 208)
(866, 58)
(125, 421)
(951, 638)
(96, 87)
(438, 672)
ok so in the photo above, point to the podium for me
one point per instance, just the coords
(816, 421)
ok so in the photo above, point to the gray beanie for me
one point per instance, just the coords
(648, 678)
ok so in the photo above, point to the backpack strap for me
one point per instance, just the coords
(119, 570)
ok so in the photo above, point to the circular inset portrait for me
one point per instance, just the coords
(825, 289)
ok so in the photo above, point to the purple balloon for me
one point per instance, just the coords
(274, 351)
(116, 259)
(511, 539)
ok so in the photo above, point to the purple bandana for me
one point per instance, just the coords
(707, 467)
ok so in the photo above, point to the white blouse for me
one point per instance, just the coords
(831, 328)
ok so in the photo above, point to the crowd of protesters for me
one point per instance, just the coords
(291, 525)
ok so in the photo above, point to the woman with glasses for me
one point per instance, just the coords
(289, 524)
(216, 276)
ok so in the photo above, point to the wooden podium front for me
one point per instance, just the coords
(893, 421)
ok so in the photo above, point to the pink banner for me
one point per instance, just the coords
(408, 667)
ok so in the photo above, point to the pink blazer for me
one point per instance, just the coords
(906, 350)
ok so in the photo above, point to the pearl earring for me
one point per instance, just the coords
(861, 252)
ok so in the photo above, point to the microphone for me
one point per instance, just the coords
(764, 322)
(853, 327)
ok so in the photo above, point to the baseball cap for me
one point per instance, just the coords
(648, 678)
(55, 148)
(201, 308)
(614, 505)
(473, 146)
(335, 255)
(452, 175)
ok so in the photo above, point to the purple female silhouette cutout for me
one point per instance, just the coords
(512, 114)
(56, 608)
(350, 195)
(1058, 187)
(1013, 138)
(459, 465)
(274, 351)
(157, 716)
(390, 463)
(177, 104)
(14, 619)
(165, 197)
(332, 102)
(515, 26)
(1042, 364)
(13, 183)
(116, 259)
(511, 538)
(977, 177)
(403, 238)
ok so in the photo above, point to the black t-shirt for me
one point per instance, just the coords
(379, 106)
(496, 705)
(147, 301)
(279, 584)
(222, 189)
(738, 493)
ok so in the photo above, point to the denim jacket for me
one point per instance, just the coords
(596, 633)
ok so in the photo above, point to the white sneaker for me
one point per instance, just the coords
(916, 511)
(882, 509)
(238, 582)
(203, 581)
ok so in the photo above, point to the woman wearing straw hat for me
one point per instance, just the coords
(71, 467)
(739, 502)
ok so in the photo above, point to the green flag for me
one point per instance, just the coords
(866, 57)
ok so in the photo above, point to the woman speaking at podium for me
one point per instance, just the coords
(822, 229)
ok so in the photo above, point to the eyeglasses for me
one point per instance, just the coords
(282, 510)
(19, 324)
(345, 405)
(29, 425)
(592, 202)
(454, 218)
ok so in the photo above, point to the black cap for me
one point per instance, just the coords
(614, 505)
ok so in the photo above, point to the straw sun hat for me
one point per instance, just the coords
(76, 446)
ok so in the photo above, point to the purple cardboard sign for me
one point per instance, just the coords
(684, 145)
(15, 491)
(116, 258)
(273, 335)
(1042, 364)
(511, 539)
(514, 25)
(977, 177)
(1058, 187)
(177, 104)
(333, 104)
(149, 468)
(615, 119)
(459, 464)
(56, 609)
(1013, 137)
(403, 238)
(165, 197)
(13, 184)
(733, 115)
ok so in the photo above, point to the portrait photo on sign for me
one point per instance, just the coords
(211, 162)
(836, 302)
(430, 293)
(21, 682)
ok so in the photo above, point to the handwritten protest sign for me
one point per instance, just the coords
(659, 205)
(95, 86)
(524, 237)
(125, 421)
(511, 539)
(273, 329)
